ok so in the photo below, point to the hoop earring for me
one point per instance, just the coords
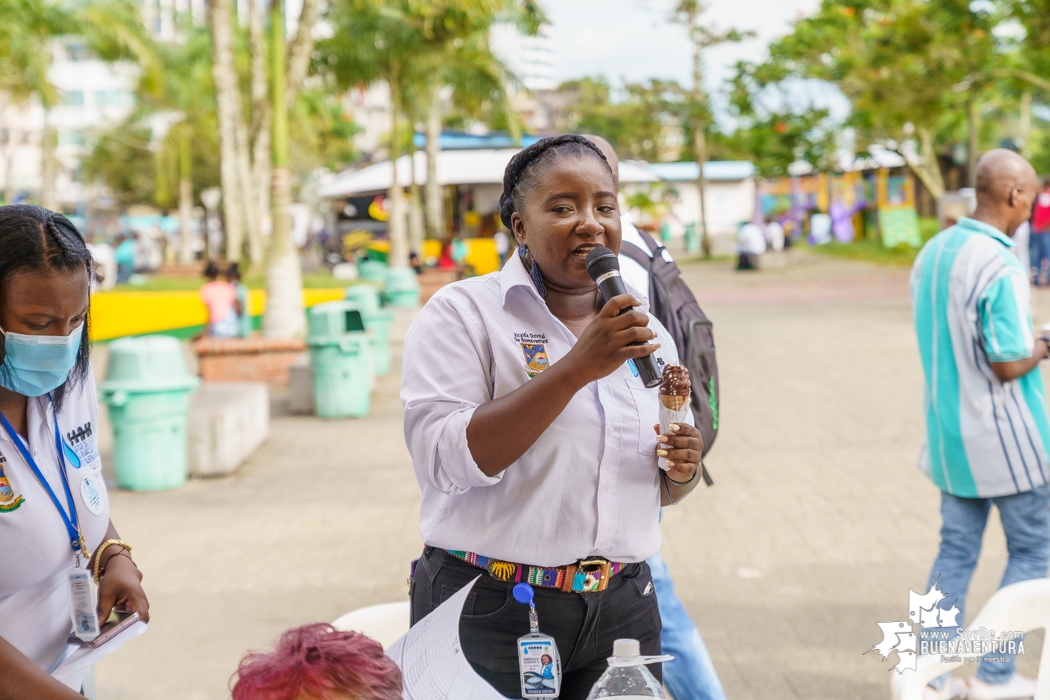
(533, 269)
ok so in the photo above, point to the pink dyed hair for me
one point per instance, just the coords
(318, 662)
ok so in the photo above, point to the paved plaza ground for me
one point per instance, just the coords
(816, 528)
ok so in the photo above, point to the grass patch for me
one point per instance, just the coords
(871, 250)
(321, 279)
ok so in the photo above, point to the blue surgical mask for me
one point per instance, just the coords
(35, 365)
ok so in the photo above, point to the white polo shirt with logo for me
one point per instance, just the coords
(588, 487)
(35, 553)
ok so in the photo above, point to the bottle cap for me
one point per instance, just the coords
(523, 593)
(626, 648)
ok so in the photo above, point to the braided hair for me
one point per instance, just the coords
(34, 239)
(520, 175)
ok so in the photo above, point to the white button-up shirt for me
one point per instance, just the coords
(34, 544)
(589, 486)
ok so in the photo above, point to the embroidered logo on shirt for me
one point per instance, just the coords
(8, 500)
(534, 348)
(80, 448)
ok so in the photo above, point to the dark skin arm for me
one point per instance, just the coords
(1007, 371)
(20, 678)
(603, 346)
(121, 584)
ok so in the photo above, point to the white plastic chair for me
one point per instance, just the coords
(385, 623)
(1020, 607)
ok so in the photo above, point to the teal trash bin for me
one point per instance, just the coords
(340, 360)
(692, 239)
(378, 324)
(372, 271)
(365, 296)
(147, 392)
(402, 287)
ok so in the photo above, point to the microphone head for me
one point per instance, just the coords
(600, 261)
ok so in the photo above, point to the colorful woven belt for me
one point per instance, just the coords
(585, 576)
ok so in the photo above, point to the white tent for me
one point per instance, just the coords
(465, 167)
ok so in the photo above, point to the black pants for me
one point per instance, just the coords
(584, 625)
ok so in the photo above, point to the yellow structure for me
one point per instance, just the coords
(481, 252)
(119, 314)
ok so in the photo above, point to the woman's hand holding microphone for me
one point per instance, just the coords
(605, 345)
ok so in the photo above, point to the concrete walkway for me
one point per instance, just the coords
(817, 526)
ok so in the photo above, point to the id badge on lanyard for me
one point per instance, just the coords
(83, 593)
(539, 664)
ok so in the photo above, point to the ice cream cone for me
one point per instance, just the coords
(674, 403)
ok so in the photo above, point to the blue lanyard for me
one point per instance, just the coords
(70, 520)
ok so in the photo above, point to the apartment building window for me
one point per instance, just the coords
(71, 138)
(114, 98)
(73, 98)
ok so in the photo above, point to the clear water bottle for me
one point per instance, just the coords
(627, 677)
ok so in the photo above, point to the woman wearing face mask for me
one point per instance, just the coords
(532, 438)
(54, 512)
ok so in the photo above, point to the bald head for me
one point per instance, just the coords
(1006, 189)
(610, 154)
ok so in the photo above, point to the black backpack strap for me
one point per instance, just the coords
(637, 254)
(655, 246)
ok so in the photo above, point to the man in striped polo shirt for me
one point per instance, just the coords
(987, 426)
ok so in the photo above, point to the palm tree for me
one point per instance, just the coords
(391, 41)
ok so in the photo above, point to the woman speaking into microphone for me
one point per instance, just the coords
(533, 438)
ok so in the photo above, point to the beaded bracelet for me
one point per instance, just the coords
(125, 547)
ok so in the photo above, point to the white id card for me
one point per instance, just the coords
(540, 666)
(83, 598)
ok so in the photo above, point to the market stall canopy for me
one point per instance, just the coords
(714, 170)
(466, 167)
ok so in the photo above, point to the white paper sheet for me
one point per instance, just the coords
(70, 671)
(431, 658)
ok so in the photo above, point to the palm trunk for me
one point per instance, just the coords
(973, 124)
(9, 166)
(227, 98)
(416, 230)
(1024, 122)
(185, 200)
(432, 190)
(284, 316)
(699, 139)
(49, 167)
(261, 177)
(398, 255)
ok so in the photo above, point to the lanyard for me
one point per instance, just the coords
(70, 519)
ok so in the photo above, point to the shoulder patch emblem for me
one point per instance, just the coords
(9, 501)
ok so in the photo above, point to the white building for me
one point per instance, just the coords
(93, 97)
(530, 58)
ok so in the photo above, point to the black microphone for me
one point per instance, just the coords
(604, 268)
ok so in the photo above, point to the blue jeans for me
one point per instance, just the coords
(691, 676)
(1026, 522)
(1039, 253)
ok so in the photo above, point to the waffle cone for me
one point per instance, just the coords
(674, 403)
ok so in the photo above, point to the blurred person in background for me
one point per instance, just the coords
(240, 304)
(1040, 236)
(775, 234)
(750, 244)
(220, 297)
(54, 509)
(502, 241)
(987, 427)
(319, 662)
(125, 255)
(691, 675)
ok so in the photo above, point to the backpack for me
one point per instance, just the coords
(673, 303)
